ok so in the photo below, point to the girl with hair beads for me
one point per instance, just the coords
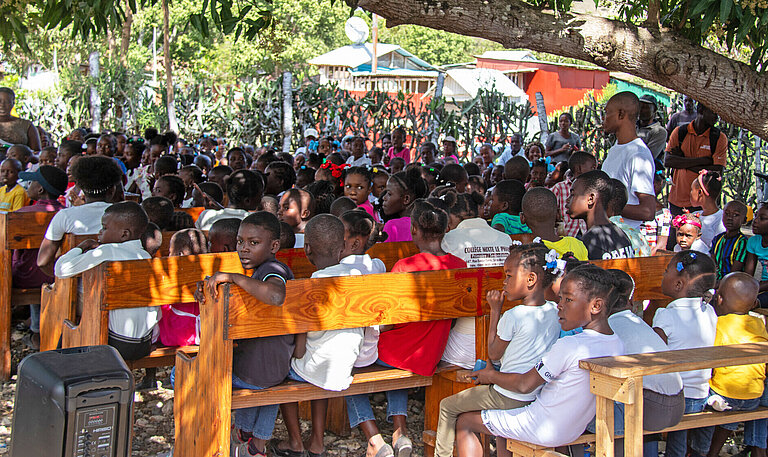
(518, 339)
(705, 190)
(416, 346)
(688, 233)
(564, 405)
(357, 186)
(688, 322)
(403, 189)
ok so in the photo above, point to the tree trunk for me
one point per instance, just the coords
(288, 111)
(125, 37)
(93, 67)
(172, 124)
(732, 89)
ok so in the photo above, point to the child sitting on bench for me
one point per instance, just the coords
(736, 388)
(518, 338)
(258, 363)
(565, 405)
(12, 195)
(123, 224)
(326, 358)
(687, 322)
(505, 206)
(540, 215)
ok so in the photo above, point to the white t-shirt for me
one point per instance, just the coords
(129, 322)
(689, 323)
(361, 162)
(531, 331)
(331, 354)
(480, 245)
(697, 245)
(79, 220)
(208, 217)
(632, 164)
(711, 226)
(639, 338)
(299, 244)
(565, 405)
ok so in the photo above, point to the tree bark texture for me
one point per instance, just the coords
(125, 35)
(732, 89)
(172, 123)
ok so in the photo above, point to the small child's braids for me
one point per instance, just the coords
(533, 258)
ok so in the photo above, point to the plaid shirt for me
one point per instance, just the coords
(572, 227)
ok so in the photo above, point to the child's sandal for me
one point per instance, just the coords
(385, 451)
(403, 447)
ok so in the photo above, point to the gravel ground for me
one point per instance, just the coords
(153, 417)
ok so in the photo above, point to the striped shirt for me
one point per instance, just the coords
(725, 251)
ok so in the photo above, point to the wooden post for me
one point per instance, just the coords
(5, 302)
(604, 427)
(93, 326)
(633, 418)
(203, 416)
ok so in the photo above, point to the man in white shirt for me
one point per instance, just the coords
(130, 329)
(629, 160)
(514, 148)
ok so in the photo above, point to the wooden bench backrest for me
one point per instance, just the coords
(24, 230)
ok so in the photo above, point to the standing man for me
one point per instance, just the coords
(682, 117)
(514, 148)
(693, 147)
(629, 160)
(310, 135)
(649, 129)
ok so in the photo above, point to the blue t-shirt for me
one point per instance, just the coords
(755, 246)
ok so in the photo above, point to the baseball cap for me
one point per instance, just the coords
(311, 133)
(53, 180)
(450, 138)
(650, 99)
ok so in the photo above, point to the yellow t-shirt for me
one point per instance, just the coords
(568, 244)
(13, 200)
(742, 382)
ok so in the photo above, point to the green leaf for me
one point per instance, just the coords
(725, 10)
(699, 8)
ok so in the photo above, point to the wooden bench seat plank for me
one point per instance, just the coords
(161, 357)
(626, 366)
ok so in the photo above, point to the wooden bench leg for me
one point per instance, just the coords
(203, 416)
(57, 304)
(5, 311)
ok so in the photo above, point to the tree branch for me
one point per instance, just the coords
(652, 19)
(732, 89)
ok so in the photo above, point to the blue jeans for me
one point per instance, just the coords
(359, 406)
(701, 438)
(258, 420)
(677, 442)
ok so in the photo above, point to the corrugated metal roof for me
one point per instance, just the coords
(353, 56)
(471, 80)
(507, 55)
(365, 70)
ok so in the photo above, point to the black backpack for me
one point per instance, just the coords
(714, 136)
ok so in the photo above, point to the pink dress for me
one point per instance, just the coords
(404, 154)
(398, 229)
(368, 207)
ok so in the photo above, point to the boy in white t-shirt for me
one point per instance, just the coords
(564, 405)
(518, 338)
(688, 322)
(324, 358)
(123, 224)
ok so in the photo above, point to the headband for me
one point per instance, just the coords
(682, 219)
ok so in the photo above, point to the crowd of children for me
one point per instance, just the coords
(337, 199)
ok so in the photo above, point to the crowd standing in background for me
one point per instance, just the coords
(336, 196)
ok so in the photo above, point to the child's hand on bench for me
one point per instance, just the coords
(87, 245)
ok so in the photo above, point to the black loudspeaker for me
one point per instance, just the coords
(75, 402)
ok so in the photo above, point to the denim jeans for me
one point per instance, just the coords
(259, 420)
(701, 438)
(359, 406)
(677, 442)
(756, 431)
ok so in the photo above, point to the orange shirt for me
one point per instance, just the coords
(694, 146)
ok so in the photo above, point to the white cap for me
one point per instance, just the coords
(311, 133)
(450, 138)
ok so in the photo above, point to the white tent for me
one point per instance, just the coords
(462, 84)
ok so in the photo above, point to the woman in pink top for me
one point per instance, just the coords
(397, 149)
(402, 190)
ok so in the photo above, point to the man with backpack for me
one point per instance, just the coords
(693, 147)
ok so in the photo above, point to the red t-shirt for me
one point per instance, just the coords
(418, 346)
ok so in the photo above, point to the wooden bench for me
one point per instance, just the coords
(203, 394)
(621, 379)
(25, 231)
(647, 273)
